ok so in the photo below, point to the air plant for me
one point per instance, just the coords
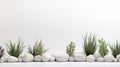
(1, 52)
(70, 48)
(115, 48)
(15, 49)
(37, 49)
(89, 44)
(103, 47)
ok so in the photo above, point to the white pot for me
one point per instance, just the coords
(27, 57)
(79, 57)
(90, 58)
(62, 57)
(12, 59)
(109, 58)
(46, 57)
(52, 59)
(37, 58)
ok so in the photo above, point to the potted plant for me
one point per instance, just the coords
(1, 54)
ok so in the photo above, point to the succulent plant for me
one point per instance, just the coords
(89, 44)
(38, 49)
(115, 48)
(15, 49)
(70, 48)
(103, 47)
(1, 52)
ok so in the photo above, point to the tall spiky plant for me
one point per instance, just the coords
(70, 48)
(15, 49)
(115, 48)
(89, 44)
(1, 52)
(103, 47)
(37, 49)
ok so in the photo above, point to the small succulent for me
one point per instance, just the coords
(70, 48)
(15, 49)
(115, 48)
(38, 49)
(1, 52)
(103, 47)
(89, 44)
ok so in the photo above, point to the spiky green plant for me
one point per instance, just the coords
(70, 48)
(115, 48)
(38, 49)
(89, 44)
(103, 47)
(15, 49)
(1, 52)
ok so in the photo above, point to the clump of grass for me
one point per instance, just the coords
(1, 52)
(89, 44)
(37, 49)
(103, 47)
(15, 49)
(70, 48)
(115, 48)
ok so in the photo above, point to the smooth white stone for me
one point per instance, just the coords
(79, 57)
(52, 59)
(115, 60)
(20, 59)
(12, 59)
(37, 58)
(27, 57)
(46, 57)
(90, 58)
(71, 59)
(62, 57)
(109, 58)
(118, 56)
(97, 55)
(1, 59)
(100, 59)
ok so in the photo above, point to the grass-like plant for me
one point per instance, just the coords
(89, 44)
(115, 48)
(15, 49)
(103, 47)
(38, 49)
(1, 52)
(70, 48)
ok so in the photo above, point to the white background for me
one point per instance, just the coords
(57, 22)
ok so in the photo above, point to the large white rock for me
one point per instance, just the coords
(62, 57)
(71, 59)
(12, 59)
(1, 59)
(46, 57)
(109, 58)
(97, 55)
(100, 59)
(37, 58)
(90, 58)
(79, 57)
(118, 56)
(52, 59)
(27, 57)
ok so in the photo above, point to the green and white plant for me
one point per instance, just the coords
(37, 49)
(70, 48)
(15, 49)
(115, 48)
(1, 52)
(103, 47)
(89, 44)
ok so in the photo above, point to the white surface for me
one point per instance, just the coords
(57, 22)
(62, 64)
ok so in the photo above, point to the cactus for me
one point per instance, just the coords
(70, 48)
(103, 47)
